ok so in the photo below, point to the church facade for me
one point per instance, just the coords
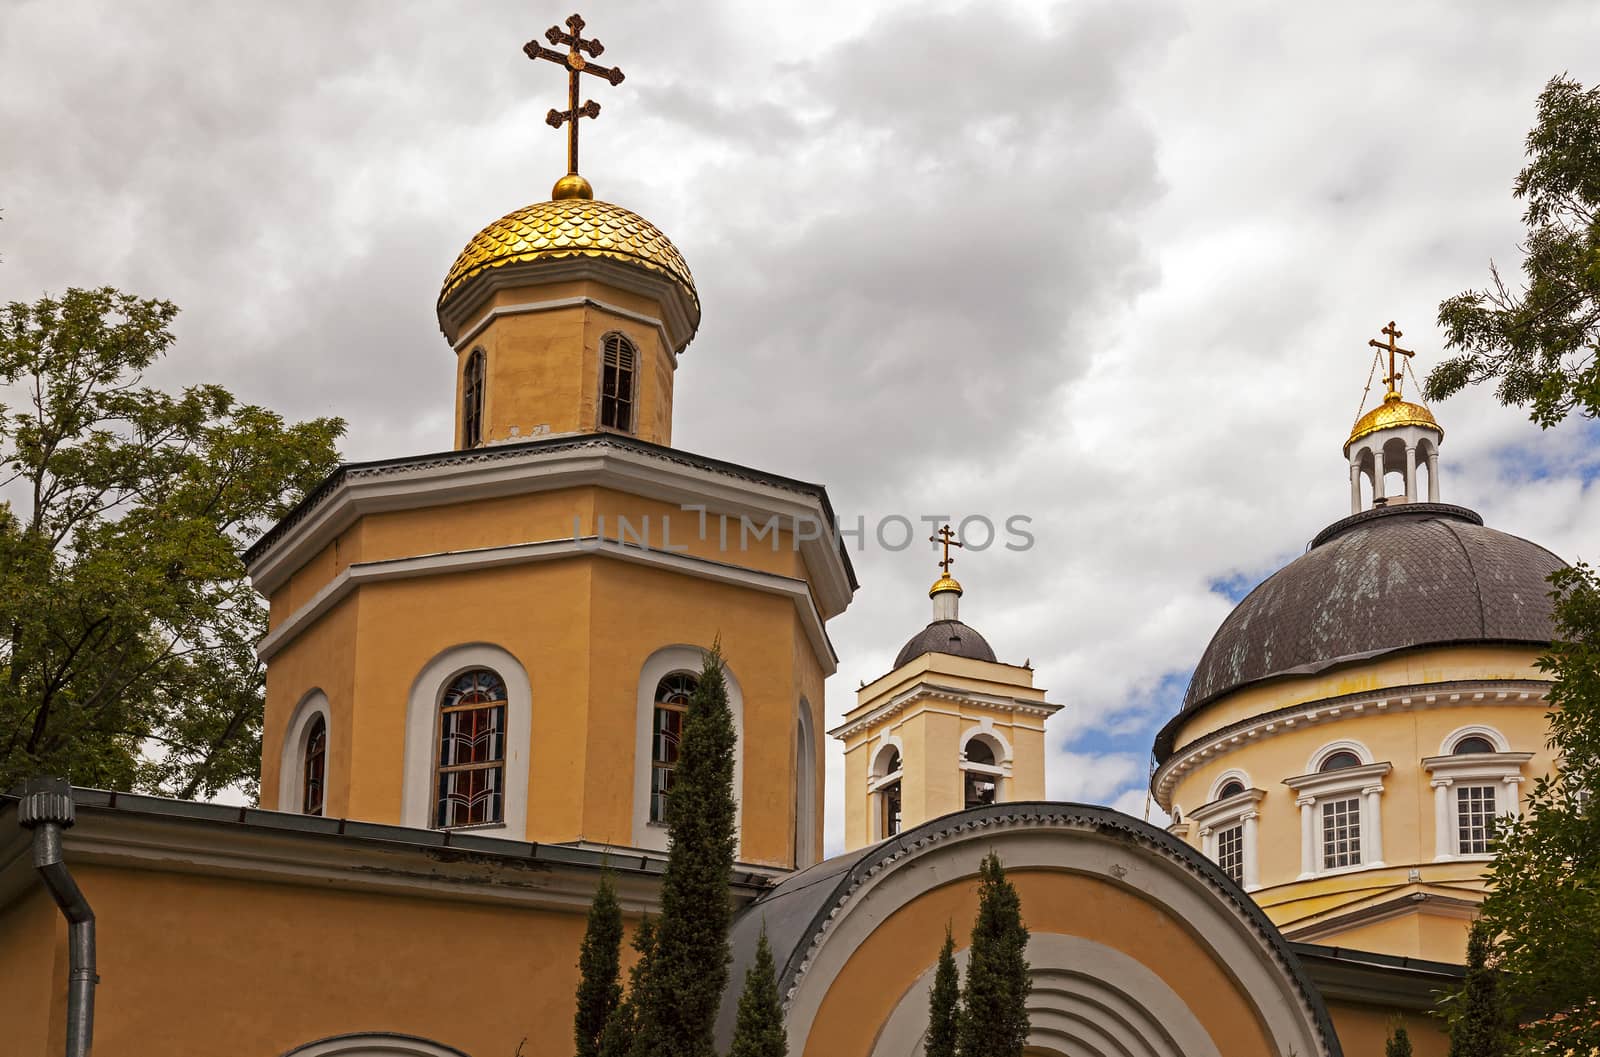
(477, 666)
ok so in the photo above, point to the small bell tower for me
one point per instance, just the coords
(949, 728)
(1397, 436)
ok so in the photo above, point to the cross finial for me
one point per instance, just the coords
(575, 62)
(1393, 380)
(947, 539)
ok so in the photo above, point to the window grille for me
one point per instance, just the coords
(1341, 833)
(472, 752)
(1230, 852)
(666, 737)
(314, 772)
(617, 383)
(472, 401)
(1474, 819)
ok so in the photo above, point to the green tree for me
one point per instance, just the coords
(1399, 1044)
(1541, 343)
(994, 1002)
(944, 1003)
(127, 630)
(599, 969)
(620, 1036)
(691, 957)
(1476, 1013)
(1544, 901)
(759, 1029)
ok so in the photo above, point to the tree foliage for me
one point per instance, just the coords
(994, 1002)
(944, 1003)
(1541, 343)
(1544, 904)
(1398, 1044)
(1476, 1013)
(622, 1034)
(127, 630)
(758, 1031)
(599, 969)
(691, 955)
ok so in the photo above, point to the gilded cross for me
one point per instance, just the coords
(946, 539)
(573, 59)
(1394, 350)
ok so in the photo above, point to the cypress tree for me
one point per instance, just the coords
(620, 1035)
(690, 968)
(759, 1030)
(1399, 1044)
(599, 969)
(994, 1003)
(1476, 1013)
(944, 1003)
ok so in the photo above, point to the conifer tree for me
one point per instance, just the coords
(599, 969)
(620, 1036)
(944, 1004)
(1476, 1013)
(759, 1030)
(994, 1003)
(678, 1012)
(1399, 1044)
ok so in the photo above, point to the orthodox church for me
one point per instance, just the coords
(477, 666)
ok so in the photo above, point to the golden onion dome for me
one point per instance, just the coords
(944, 583)
(573, 225)
(1393, 412)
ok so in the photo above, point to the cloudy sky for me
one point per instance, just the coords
(1110, 265)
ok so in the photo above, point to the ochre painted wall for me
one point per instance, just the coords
(907, 943)
(1364, 1029)
(33, 975)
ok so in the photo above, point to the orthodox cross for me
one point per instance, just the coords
(1394, 350)
(573, 59)
(946, 539)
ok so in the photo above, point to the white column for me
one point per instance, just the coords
(1252, 874)
(1411, 473)
(1308, 841)
(1513, 796)
(1372, 827)
(1355, 486)
(1377, 475)
(1205, 844)
(1443, 848)
(1433, 476)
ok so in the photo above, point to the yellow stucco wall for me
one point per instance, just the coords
(907, 943)
(33, 975)
(1364, 1029)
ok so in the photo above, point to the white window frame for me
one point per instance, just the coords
(1501, 769)
(1314, 788)
(1242, 810)
(876, 782)
(1000, 770)
(660, 664)
(805, 787)
(292, 765)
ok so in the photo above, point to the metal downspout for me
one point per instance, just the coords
(46, 809)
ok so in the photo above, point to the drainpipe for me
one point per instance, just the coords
(46, 809)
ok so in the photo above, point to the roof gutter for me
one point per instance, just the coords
(47, 809)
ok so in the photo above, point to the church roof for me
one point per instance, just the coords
(1386, 579)
(946, 636)
(570, 227)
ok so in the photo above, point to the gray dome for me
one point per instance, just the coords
(945, 636)
(1392, 578)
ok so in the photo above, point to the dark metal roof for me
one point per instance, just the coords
(1393, 578)
(946, 636)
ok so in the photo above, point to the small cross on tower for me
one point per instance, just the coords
(947, 539)
(573, 59)
(1392, 381)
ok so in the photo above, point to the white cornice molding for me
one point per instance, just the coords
(1376, 703)
(939, 692)
(529, 307)
(1476, 765)
(1229, 809)
(458, 477)
(1341, 780)
(357, 574)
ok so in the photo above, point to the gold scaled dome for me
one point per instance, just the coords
(570, 227)
(1393, 412)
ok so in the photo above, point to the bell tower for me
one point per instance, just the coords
(950, 727)
(1396, 436)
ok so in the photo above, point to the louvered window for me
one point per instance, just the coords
(472, 752)
(472, 401)
(617, 383)
(315, 767)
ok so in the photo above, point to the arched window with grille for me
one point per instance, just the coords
(472, 400)
(471, 763)
(315, 770)
(619, 359)
(666, 737)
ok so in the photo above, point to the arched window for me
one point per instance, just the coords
(980, 774)
(472, 400)
(1339, 761)
(616, 382)
(315, 769)
(666, 736)
(886, 784)
(1473, 743)
(472, 751)
(1233, 787)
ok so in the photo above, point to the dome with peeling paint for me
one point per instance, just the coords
(1386, 579)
